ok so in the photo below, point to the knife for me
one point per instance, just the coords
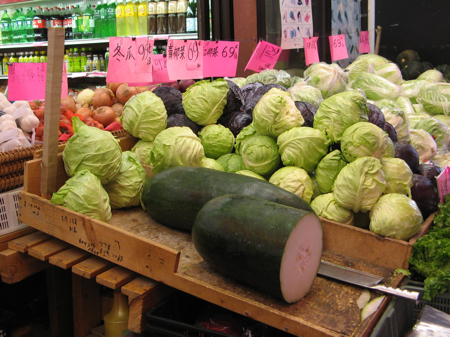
(362, 279)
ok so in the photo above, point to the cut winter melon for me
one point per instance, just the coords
(371, 307)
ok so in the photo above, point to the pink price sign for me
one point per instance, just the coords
(27, 81)
(160, 73)
(220, 58)
(311, 50)
(184, 59)
(264, 57)
(443, 183)
(130, 60)
(338, 47)
(364, 46)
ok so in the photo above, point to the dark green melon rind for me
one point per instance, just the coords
(174, 196)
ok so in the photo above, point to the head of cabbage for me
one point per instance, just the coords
(424, 144)
(94, 150)
(395, 116)
(142, 149)
(360, 184)
(295, 180)
(212, 164)
(437, 129)
(435, 98)
(144, 116)
(396, 216)
(245, 134)
(301, 92)
(398, 175)
(376, 87)
(249, 173)
(326, 207)
(328, 169)
(330, 79)
(84, 193)
(275, 113)
(176, 146)
(217, 140)
(231, 162)
(260, 155)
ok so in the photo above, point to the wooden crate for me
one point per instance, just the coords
(135, 241)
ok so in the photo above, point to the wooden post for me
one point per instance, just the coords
(55, 59)
(377, 43)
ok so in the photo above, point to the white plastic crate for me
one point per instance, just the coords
(9, 212)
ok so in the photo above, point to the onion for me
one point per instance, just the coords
(117, 107)
(142, 89)
(69, 103)
(113, 86)
(103, 97)
(104, 115)
(84, 98)
(124, 93)
(85, 112)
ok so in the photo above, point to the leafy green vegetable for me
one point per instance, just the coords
(395, 116)
(437, 129)
(376, 87)
(260, 155)
(231, 162)
(398, 175)
(250, 174)
(389, 71)
(442, 218)
(212, 164)
(243, 136)
(325, 206)
(328, 169)
(330, 79)
(295, 180)
(435, 98)
(204, 101)
(142, 149)
(301, 92)
(144, 116)
(217, 140)
(424, 144)
(94, 150)
(84, 193)
(269, 76)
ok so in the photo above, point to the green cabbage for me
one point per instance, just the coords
(431, 75)
(144, 116)
(212, 164)
(442, 160)
(243, 136)
(396, 216)
(357, 67)
(239, 81)
(275, 113)
(373, 59)
(376, 87)
(389, 151)
(328, 169)
(389, 71)
(303, 147)
(204, 101)
(398, 175)
(84, 193)
(94, 150)
(126, 189)
(142, 149)
(249, 173)
(411, 89)
(301, 92)
(329, 78)
(423, 143)
(269, 76)
(295, 180)
(326, 207)
(217, 140)
(363, 140)
(231, 162)
(443, 118)
(435, 98)
(316, 191)
(395, 116)
(360, 184)
(337, 113)
(176, 146)
(260, 155)
(437, 129)
(415, 118)
(405, 104)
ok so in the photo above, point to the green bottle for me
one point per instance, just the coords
(106, 58)
(70, 70)
(6, 28)
(111, 19)
(83, 58)
(14, 27)
(97, 9)
(21, 27)
(76, 26)
(88, 22)
(29, 24)
(76, 60)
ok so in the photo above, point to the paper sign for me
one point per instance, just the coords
(39, 44)
(443, 183)
(145, 52)
(264, 57)
(178, 52)
(160, 73)
(311, 51)
(220, 58)
(364, 42)
(338, 48)
(128, 61)
(27, 81)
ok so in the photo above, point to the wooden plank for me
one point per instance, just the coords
(143, 294)
(16, 234)
(15, 266)
(23, 243)
(119, 246)
(69, 257)
(92, 267)
(115, 277)
(86, 305)
(44, 250)
(3, 246)
(245, 31)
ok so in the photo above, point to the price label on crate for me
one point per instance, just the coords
(220, 58)
(160, 73)
(338, 48)
(364, 46)
(184, 59)
(27, 81)
(443, 183)
(130, 60)
(264, 57)
(311, 50)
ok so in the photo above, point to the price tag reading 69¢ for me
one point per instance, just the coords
(220, 58)
(338, 48)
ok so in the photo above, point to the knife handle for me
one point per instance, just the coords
(411, 295)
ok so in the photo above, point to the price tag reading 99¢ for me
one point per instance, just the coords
(364, 42)
(338, 48)
(311, 51)
(220, 58)
(264, 57)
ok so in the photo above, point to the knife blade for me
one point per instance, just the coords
(363, 279)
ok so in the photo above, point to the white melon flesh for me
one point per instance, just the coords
(371, 307)
(301, 258)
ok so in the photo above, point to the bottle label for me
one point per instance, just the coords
(29, 22)
(6, 26)
(151, 8)
(161, 7)
(91, 24)
(85, 23)
(181, 7)
(19, 24)
(172, 7)
(142, 10)
(56, 23)
(74, 24)
(67, 23)
(38, 23)
(119, 13)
